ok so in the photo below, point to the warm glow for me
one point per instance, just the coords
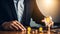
(48, 1)
(50, 8)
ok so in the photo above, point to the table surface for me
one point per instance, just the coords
(53, 31)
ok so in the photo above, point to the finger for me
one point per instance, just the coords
(52, 23)
(14, 27)
(21, 25)
(17, 25)
(43, 20)
(11, 28)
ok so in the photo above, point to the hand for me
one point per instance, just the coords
(13, 25)
(49, 24)
(48, 21)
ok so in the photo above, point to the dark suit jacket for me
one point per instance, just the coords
(8, 13)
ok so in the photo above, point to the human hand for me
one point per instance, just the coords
(48, 21)
(13, 25)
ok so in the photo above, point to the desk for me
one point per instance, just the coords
(53, 31)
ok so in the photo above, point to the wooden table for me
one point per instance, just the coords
(19, 32)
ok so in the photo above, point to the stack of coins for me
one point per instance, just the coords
(40, 29)
(28, 30)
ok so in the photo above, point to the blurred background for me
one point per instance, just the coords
(49, 8)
